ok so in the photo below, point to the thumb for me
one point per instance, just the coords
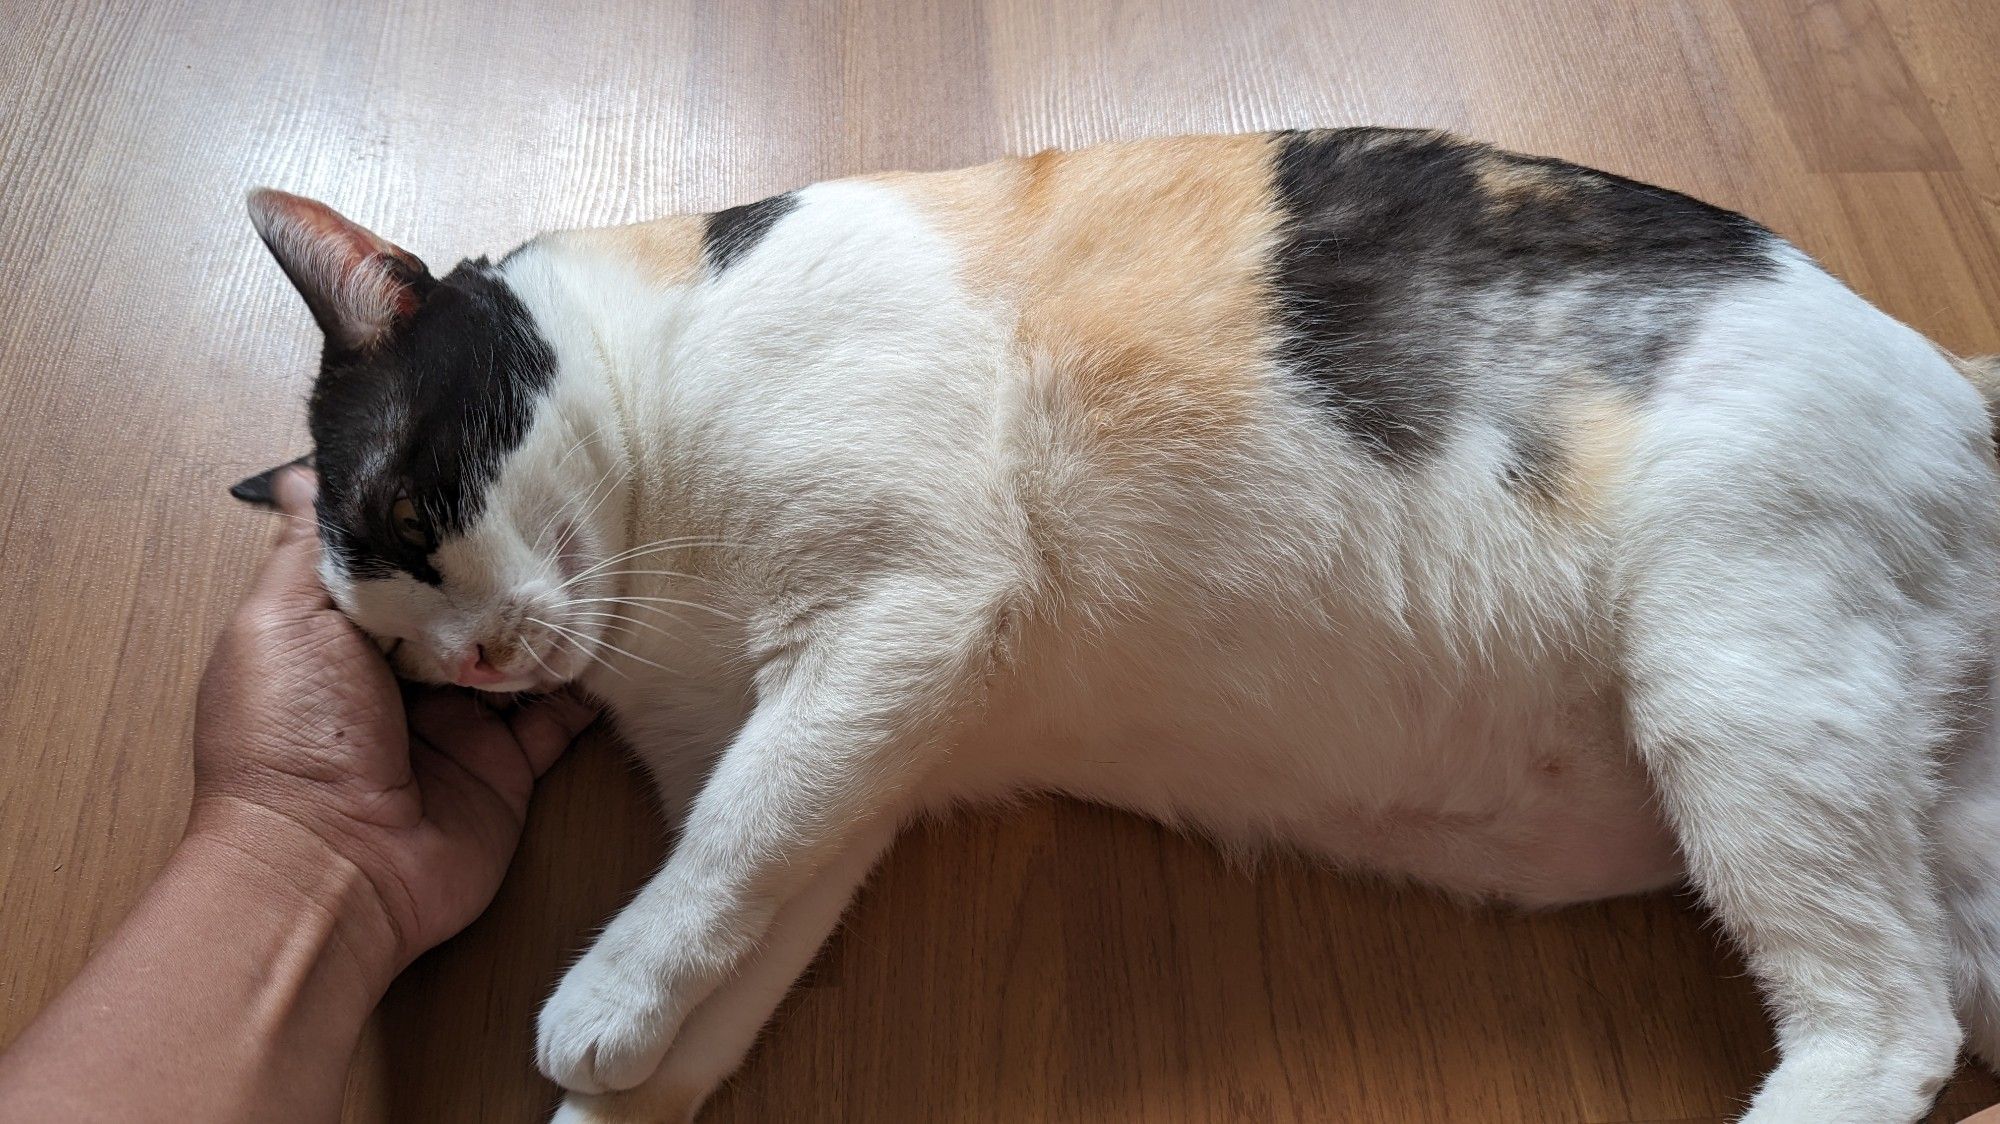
(294, 489)
(291, 573)
(547, 726)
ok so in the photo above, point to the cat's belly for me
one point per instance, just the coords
(1540, 810)
(1568, 840)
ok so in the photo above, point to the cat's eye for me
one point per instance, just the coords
(409, 525)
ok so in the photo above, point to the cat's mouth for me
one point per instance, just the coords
(539, 656)
(533, 658)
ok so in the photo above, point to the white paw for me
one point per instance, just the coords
(643, 1106)
(606, 1027)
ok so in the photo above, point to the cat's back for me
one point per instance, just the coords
(1424, 364)
(1412, 286)
(1390, 398)
(1401, 308)
(1348, 348)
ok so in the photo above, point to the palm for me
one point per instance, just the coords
(425, 792)
(474, 768)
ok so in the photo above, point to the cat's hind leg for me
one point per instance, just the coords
(1791, 739)
(1807, 535)
(1968, 848)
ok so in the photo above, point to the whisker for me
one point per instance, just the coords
(541, 663)
(580, 442)
(560, 462)
(563, 511)
(652, 548)
(592, 499)
(636, 603)
(577, 523)
(619, 574)
(732, 617)
(626, 573)
(685, 543)
(608, 644)
(577, 639)
(620, 618)
(628, 556)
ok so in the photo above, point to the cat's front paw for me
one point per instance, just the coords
(606, 1027)
(651, 1103)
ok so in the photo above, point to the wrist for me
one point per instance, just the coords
(235, 990)
(281, 869)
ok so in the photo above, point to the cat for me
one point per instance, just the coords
(1461, 515)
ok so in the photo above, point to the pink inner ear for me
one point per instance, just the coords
(357, 282)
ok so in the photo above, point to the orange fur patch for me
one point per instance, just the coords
(1603, 428)
(1136, 273)
(667, 251)
(1983, 372)
(1510, 182)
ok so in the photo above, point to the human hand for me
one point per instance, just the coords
(306, 752)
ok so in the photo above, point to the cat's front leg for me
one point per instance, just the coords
(841, 736)
(719, 1032)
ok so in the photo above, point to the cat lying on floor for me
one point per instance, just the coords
(1471, 516)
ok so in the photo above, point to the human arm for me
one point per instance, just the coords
(334, 836)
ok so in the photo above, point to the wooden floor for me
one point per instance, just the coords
(1058, 963)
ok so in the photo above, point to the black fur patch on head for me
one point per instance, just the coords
(729, 234)
(430, 414)
(1416, 272)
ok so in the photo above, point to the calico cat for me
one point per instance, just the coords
(1446, 512)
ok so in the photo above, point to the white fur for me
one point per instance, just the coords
(915, 571)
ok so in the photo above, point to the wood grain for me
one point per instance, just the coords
(1055, 963)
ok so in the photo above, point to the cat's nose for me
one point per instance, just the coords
(474, 670)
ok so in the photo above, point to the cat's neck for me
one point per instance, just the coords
(610, 322)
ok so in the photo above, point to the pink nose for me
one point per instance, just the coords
(474, 671)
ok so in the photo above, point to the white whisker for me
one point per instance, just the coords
(591, 499)
(580, 442)
(560, 462)
(654, 573)
(632, 603)
(731, 617)
(541, 663)
(620, 618)
(577, 523)
(573, 638)
(652, 548)
(599, 640)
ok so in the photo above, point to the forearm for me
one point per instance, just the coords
(235, 991)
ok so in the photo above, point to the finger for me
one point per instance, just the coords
(291, 574)
(466, 730)
(487, 744)
(448, 714)
(549, 725)
(294, 488)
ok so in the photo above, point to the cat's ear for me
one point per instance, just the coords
(359, 285)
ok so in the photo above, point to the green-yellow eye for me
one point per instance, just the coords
(409, 525)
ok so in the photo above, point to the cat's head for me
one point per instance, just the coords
(458, 505)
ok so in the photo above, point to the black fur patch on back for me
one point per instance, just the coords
(729, 234)
(1416, 270)
(431, 414)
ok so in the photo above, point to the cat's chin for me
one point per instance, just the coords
(522, 685)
